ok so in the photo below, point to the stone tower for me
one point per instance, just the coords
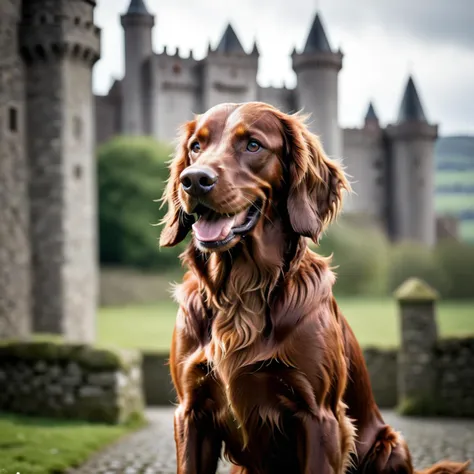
(317, 69)
(229, 73)
(138, 25)
(411, 172)
(15, 307)
(371, 120)
(60, 44)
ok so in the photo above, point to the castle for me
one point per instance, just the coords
(49, 122)
(391, 168)
(48, 211)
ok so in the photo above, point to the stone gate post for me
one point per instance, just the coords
(416, 377)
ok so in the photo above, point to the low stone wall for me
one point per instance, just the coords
(157, 385)
(56, 379)
(455, 376)
(453, 396)
(382, 366)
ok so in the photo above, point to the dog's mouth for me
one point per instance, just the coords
(214, 230)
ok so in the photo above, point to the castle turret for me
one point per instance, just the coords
(230, 73)
(15, 299)
(317, 69)
(371, 120)
(138, 24)
(60, 45)
(411, 175)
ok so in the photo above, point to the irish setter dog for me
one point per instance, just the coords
(262, 359)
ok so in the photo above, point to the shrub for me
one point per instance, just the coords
(131, 176)
(360, 253)
(410, 259)
(456, 261)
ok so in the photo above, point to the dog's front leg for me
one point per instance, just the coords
(198, 444)
(326, 442)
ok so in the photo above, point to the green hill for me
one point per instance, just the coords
(454, 180)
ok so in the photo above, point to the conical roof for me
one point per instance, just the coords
(229, 42)
(317, 40)
(137, 7)
(371, 114)
(411, 108)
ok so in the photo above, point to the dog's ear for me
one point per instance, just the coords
(176, 222)
(316, 183)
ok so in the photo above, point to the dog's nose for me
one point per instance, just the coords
(197, 181)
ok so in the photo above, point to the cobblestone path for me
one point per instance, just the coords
(151, 450)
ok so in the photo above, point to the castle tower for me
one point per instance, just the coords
(371, 120)
(229, 73)
(60, 44)
(317, 69)
(365, 161)
(138, 25)
(412, 138)
(14, 212)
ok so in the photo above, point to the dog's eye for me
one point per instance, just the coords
(253, 146)
(195, 147)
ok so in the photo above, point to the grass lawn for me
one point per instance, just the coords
(374, 321)
(454, 177)
(446, 203)
(44, 446)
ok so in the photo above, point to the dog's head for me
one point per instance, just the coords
(240, 166)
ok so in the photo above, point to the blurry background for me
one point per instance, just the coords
(91, 95)
(389, 87)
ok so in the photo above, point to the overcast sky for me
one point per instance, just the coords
(382, 41)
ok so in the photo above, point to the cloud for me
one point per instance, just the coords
(382, 43)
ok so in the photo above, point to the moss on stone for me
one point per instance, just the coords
(415, 290)
(91, 357)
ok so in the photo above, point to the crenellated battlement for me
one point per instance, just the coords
(67, 32)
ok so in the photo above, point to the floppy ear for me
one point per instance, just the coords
(176, 222)
(316, 183)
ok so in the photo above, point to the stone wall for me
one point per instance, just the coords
(454, 389)
(59, 45)
(157, 386)
(455, 376)
(15, 278)
(434, 376)
(70, 381)
(382, 365)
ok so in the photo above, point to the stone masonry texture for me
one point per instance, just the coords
(455, 376)
(417, 371)
(15, 302)
(59, 45)
(70, 381)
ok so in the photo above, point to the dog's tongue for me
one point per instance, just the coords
(212, 227)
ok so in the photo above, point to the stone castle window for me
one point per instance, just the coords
(13, 119)
(177, 68)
